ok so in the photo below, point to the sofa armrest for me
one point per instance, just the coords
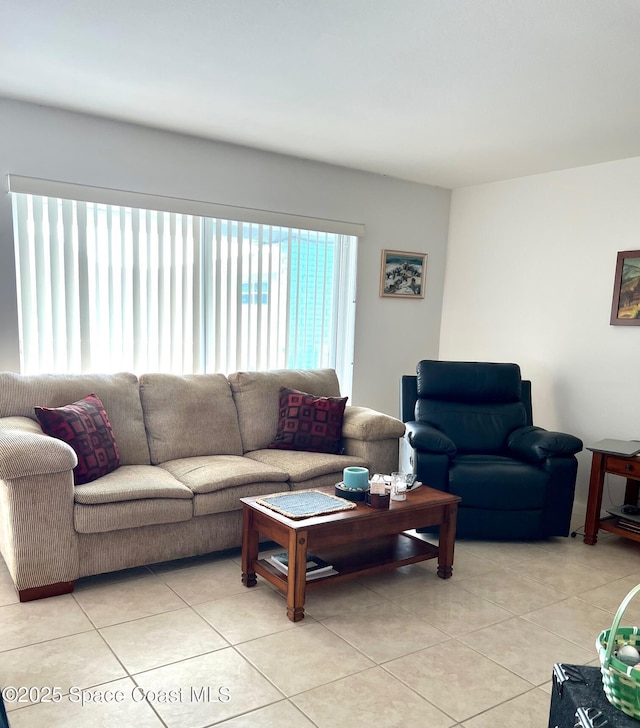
(428, 439)
(372, 436)
(25, 450)
(37, 537)
(534, 444)
(363, 423)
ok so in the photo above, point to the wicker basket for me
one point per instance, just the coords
(621, 682)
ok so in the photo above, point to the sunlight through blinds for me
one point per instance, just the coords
(108, 288)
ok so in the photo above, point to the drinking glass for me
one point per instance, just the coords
(398, 486)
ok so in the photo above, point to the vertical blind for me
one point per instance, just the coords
(107, 287)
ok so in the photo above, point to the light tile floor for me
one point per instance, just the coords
(185, 645)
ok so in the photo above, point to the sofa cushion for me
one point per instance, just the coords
(130, 497)
(301, 466)
(223, 501)
(257, 399)
(188, 416)
(20, 393)
(308, 422)
(122, 515)
(85, 426)
(219, 472)
(132, 482)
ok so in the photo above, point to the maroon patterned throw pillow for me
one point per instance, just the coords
(85, 426)
(308, 422)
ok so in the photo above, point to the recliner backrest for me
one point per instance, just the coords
(468, 381)
(476, 404)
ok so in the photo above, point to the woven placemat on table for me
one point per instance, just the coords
(305, 503)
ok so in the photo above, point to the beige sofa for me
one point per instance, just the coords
(190, 448)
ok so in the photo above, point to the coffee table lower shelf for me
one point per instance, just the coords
(611, 524)
(359, 559)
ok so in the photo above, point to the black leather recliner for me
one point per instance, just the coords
(470, 432)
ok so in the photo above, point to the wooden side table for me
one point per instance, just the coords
(602, 463)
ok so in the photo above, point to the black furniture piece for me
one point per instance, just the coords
(4, 721)
(578, 699)
(470, 432)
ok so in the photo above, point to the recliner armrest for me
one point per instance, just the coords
(534, 444)
(427, 439)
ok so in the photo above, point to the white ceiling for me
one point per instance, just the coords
(445, 92)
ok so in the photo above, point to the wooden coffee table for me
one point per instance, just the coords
(359, 541)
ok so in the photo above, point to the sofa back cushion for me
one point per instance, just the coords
(189, 415)
(257, 399)
(20, 393)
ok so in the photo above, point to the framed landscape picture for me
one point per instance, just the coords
(402, 275)
(625, 307)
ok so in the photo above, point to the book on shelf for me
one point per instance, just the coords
(629, 525)
(316, 567)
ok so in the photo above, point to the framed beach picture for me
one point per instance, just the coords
(625, 307)
(402, 275)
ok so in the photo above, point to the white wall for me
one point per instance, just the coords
(391, 335)
(530, 262)
(529, 279)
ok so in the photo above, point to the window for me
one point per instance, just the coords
(108, 287)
